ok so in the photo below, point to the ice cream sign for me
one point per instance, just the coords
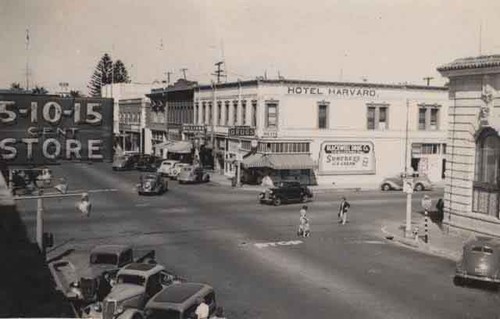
(36, 130)
(347, 158)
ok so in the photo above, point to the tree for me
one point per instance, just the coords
(101, 76)
(16, 86)
(107, 72)
(120, 73)
(40, 90)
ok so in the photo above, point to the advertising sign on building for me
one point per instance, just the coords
(241, 131)
(193, 128)
(344, 158)
(44, 129)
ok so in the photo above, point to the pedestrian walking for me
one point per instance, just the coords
(343, 208)
(304, 228)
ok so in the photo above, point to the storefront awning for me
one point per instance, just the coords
(279, 161)
(163, 145)
(180, 147)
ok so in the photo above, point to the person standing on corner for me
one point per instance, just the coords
(343, 208)
(304, 229)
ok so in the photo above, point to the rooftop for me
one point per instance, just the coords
(483, 61)
(178, 293)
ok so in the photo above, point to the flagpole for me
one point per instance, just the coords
(27, 58)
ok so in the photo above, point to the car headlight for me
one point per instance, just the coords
(119, 310)
(75, 284)
(147, 186)
(261, 195)
(97, 307)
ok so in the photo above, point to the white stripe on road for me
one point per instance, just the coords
(278, 243)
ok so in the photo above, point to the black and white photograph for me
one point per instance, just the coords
(250, 159)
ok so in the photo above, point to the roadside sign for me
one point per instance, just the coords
(46, 129)
(426, 203)
(241, 131)
(408, 185)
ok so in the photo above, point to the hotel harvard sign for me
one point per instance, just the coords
(44, 129)
(343, 92)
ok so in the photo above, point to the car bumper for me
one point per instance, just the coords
(478, 278)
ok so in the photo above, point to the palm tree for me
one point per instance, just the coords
(16, 86)
(40, 90)
(75, 93)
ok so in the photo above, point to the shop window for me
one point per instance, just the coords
(271, 115)
(243, 112)
(254, 113)
(322, 115)
(428, 117)
(227, 113)
(377, 117)
(235, 112)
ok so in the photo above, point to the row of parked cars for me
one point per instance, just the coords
(116, 281)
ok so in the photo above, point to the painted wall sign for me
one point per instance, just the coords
(38, 129)
(344, 158)
(332, 91)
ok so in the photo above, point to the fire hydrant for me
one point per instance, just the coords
(415, 233)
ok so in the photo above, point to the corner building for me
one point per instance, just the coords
(347, 134)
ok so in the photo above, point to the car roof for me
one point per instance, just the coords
(483, 241)
(109, 249)
(178, 296)
(150, 175)
(141, 269)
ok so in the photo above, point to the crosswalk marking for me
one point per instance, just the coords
(278, 243)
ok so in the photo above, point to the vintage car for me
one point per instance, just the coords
(286, 192)
(176, 169)
(135, 284)
(85, 277)
(176, 302)
(193, 174)
(165, 167)
(420, 183)
(480, 262)
(148, 163)
(126, 162)
(152, 184)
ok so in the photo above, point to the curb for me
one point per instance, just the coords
(420, 246)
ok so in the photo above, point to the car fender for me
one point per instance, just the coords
(131, 313)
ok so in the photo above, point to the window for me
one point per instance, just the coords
(323, 116)
(272, 115)
(487, 160)
(210, 114)
(377, 117)
(227, 113)
(243, 112)
(254, 113)
(196, 110)
(428, 117)
(371, 118)
(219, 113)
(235, 112)
(204, 113)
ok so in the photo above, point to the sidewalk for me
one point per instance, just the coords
(446, 243)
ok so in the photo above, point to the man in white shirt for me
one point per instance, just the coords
(202, 309)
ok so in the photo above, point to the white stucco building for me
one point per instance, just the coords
(350, 134)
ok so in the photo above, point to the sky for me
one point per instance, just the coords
(381, 41)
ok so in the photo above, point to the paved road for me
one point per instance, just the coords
(221, 236)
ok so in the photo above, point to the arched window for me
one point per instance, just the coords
(486, 188)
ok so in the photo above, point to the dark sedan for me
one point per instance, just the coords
(152, 184)
(286, 192)
(148, 163)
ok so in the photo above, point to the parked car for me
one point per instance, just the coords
(152, 184)
(286, 192)
(176, 302)
(135, 284)
(165, 166)
(125, 162)
(176, 169)
(480, 262)
(420, 183)
(148, 163)
(85, 277)
(192, 174)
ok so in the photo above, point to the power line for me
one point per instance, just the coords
(183, 70)
(219, 73)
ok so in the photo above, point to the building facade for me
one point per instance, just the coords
(324, 132)
(472, 190)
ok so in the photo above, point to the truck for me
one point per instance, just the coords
(85, 277)
(133, 287)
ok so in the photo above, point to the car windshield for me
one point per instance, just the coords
(162, 314)
(150, 177)
(482, 249)
(131, 279)
(107, 259)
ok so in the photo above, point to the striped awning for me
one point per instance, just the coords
(279, 161)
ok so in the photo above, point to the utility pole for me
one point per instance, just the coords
(168, 77)
(219, 72)
(428, 80)
(183, 70)
(27, 59)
